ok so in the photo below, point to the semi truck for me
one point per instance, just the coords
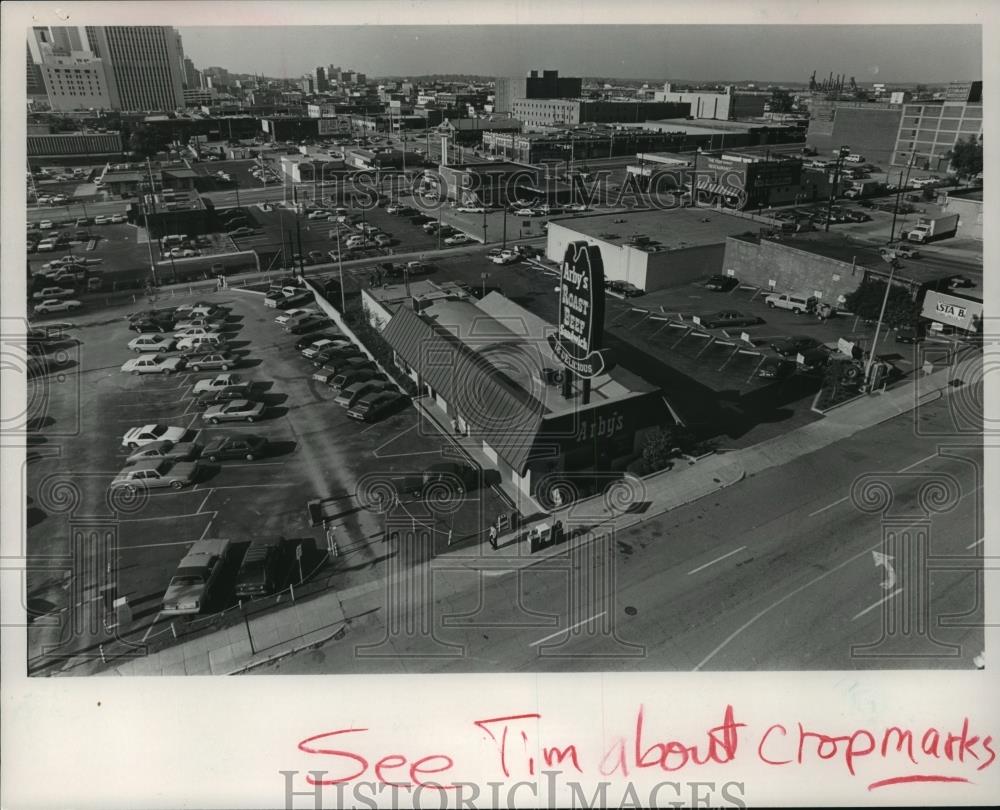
(928, 229)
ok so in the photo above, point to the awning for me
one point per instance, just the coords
(718, 189)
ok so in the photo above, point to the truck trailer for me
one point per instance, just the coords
(928, 229)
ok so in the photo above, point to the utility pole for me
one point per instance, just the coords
(237, 194)
(504, 203)
(340, 264)
(843, 152)
(899, 191)
(878, 326)
(298, 233)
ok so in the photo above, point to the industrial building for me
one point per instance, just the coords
(728, 105)
(727, 134)
(651, 249)
(927, 132)
(469, 131)
(580, 143)
(555, 112)
(869, 128)
(486, 371)
(98, 146)
(548, 85)
(757, 178)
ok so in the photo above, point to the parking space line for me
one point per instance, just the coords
(885, 598)
(202, 506)
(717, 559)
(208, 526)
(973, 545)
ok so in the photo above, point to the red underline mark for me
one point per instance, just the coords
(897, 780)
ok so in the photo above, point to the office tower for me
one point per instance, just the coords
(144, 65)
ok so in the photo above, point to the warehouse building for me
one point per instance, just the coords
(558, 112)
(48, 148)
(727, 105)
(651, 249)
(487, 370)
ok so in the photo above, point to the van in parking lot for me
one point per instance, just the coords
(795, 302)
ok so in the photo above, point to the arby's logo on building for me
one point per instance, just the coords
(577, 343)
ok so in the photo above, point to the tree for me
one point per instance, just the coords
(145, 142)
(781, 101)
(866, 302)
(662, 444)
(967, 157)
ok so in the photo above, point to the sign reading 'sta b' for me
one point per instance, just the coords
(581, 311)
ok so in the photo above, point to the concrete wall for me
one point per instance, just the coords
(791, 270)
(869, 132)
(970, 216)
(677, 267)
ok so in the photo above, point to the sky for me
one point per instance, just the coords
(870, 53)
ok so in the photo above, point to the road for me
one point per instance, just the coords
(794, 586)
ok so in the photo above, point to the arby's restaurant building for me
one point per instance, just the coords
(549, 409)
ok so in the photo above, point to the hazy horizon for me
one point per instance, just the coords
(705, 53)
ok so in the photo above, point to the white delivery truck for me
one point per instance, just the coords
(929, 228)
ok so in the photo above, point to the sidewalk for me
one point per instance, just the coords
(285, 632)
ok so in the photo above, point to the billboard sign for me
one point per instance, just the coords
(580, 335)
(951, 310)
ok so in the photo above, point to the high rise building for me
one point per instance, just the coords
(66, 39)
(144, 65)
(192, 78)
(548, 85)
(35, 84)
(319, 80)
(76, 81)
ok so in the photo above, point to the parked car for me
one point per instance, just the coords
(307, 323)
(796, 303)
(791, 346)
(211, 361)
(721, 283)
(352, 372)
(223, 448)
(145, 434)
(216, 383)
(307, 341)
(775, 367)
(219, 396)
(373, 407)
(321, 346)
(153, 364)
(56, 305)
(149, 326)
(234, 411)
(258, 574)
(202, 343)
(909, 334)
(293, 313)
(209, 330)
(351, 393)
(470, 209)
(625, 288)
(293, 301)
(329, 357)
(192, 582)
(156, 473)
(52, 292)
(175, 451)
(242, 230)
(729, 317)
(212, 323)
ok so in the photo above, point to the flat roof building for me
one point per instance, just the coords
(651, 249)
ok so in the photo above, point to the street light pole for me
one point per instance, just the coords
(878, 326)
(340, 265)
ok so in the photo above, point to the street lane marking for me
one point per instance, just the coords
(800, 589)
(885, 598)
(847, 497)
(566, 629)
(717, 559)
(918, 463)
(973, 545)
(829, 506)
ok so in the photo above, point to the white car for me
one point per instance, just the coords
(470, 209)
(145, 434)
(52, 292)
(153, 364)
(45, 225)
(321, 345)
(55, 305)
(504, 257)
(210, 323)
(393, 209)
(216, 383)
(102, 220)
(201, 343)
(197, 331)
(320, 214)
(46, 245)
(151, 342)
(457, 239)
(117, 219)
(289, 314)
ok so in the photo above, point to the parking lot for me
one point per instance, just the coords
(314, 451)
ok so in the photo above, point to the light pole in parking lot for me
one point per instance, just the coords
(842, 153)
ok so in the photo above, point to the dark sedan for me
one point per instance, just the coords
(721, 283)
(730, 317)
(230, 447)
(797, 344)
(222, 395)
